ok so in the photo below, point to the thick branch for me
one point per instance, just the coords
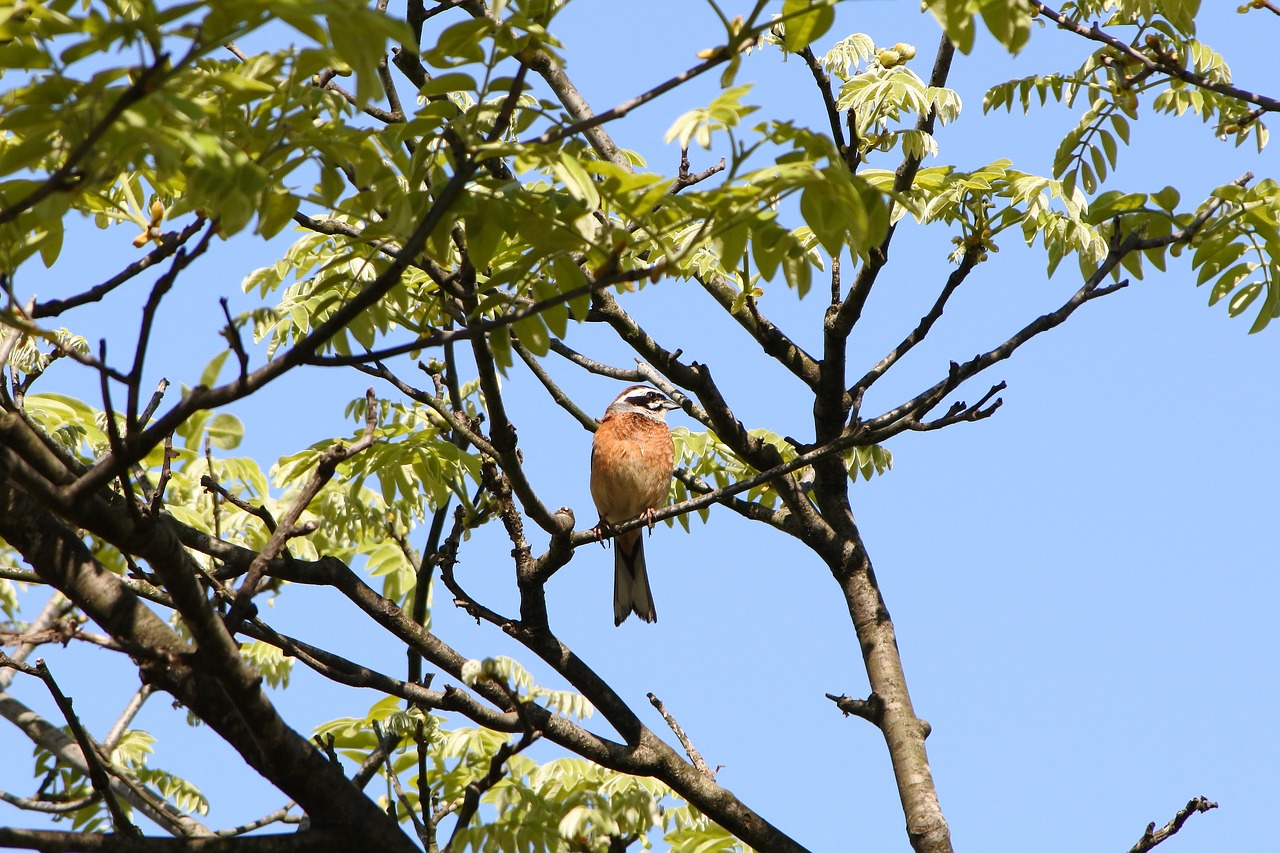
(231, 700)
(49, 841)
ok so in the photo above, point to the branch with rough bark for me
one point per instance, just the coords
(1152, 836)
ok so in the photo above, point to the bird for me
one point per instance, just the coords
(631, 458)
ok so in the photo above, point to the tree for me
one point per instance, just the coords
(481, 229)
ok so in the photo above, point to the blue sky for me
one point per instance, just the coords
(1082, 585)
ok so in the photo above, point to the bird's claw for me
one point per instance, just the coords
(648, 518)
(602, 531)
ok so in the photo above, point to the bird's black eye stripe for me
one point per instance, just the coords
(651, 400)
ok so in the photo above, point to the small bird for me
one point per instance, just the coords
(631, 460)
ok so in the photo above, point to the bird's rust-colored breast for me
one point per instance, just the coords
(631, 461)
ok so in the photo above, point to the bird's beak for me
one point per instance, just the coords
(670, 405)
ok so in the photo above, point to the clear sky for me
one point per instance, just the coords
(1083, 585)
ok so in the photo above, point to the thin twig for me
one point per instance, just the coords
(181, 260)
(261, 513)
(918, 334)
(369, 767)
(477, 787)
(113, 432)
(126, 717)
(157, 496)
(324, 472)
(20, 320)
(97, 774)
(543, 64)
(591, 366)
(169, 243)
(424, 832)
(154, 403)
(66, 176)
(823, 80)
(560, 398)
(280, 815)
(1162, 64)
(232, 334)
(690, 750)
(48, 806)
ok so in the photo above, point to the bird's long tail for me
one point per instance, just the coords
(631, 593)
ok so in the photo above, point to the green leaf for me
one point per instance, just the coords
(569, 276)
(1009, 21)
(225, 431)
(1243, 299)
(956, 18)
(1109, 146)
(822, 212)
(445, 84)
(731, 243)
(1270, 308)
(533, 333)
(209, 376)
(1121, 125)
(804, 21)
(500, 344)
(460, 44)
(1087, 179)
(1167, 198)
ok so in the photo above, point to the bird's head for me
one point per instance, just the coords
(641, 399)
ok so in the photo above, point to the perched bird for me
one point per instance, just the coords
(630, 474)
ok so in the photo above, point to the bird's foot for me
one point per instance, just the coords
(602, 531)
(647, 517)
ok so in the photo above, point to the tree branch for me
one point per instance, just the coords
(477, 787)
(97, 774)
(772, 340)
(48, 841)
(169, 243)
(1163, 64)
(213, 682)
(325, 469)
(690, 750)
(1152, 836)
(851, 308)
(870, 709)
(201, 397)
(66, 176)
(957, 277)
